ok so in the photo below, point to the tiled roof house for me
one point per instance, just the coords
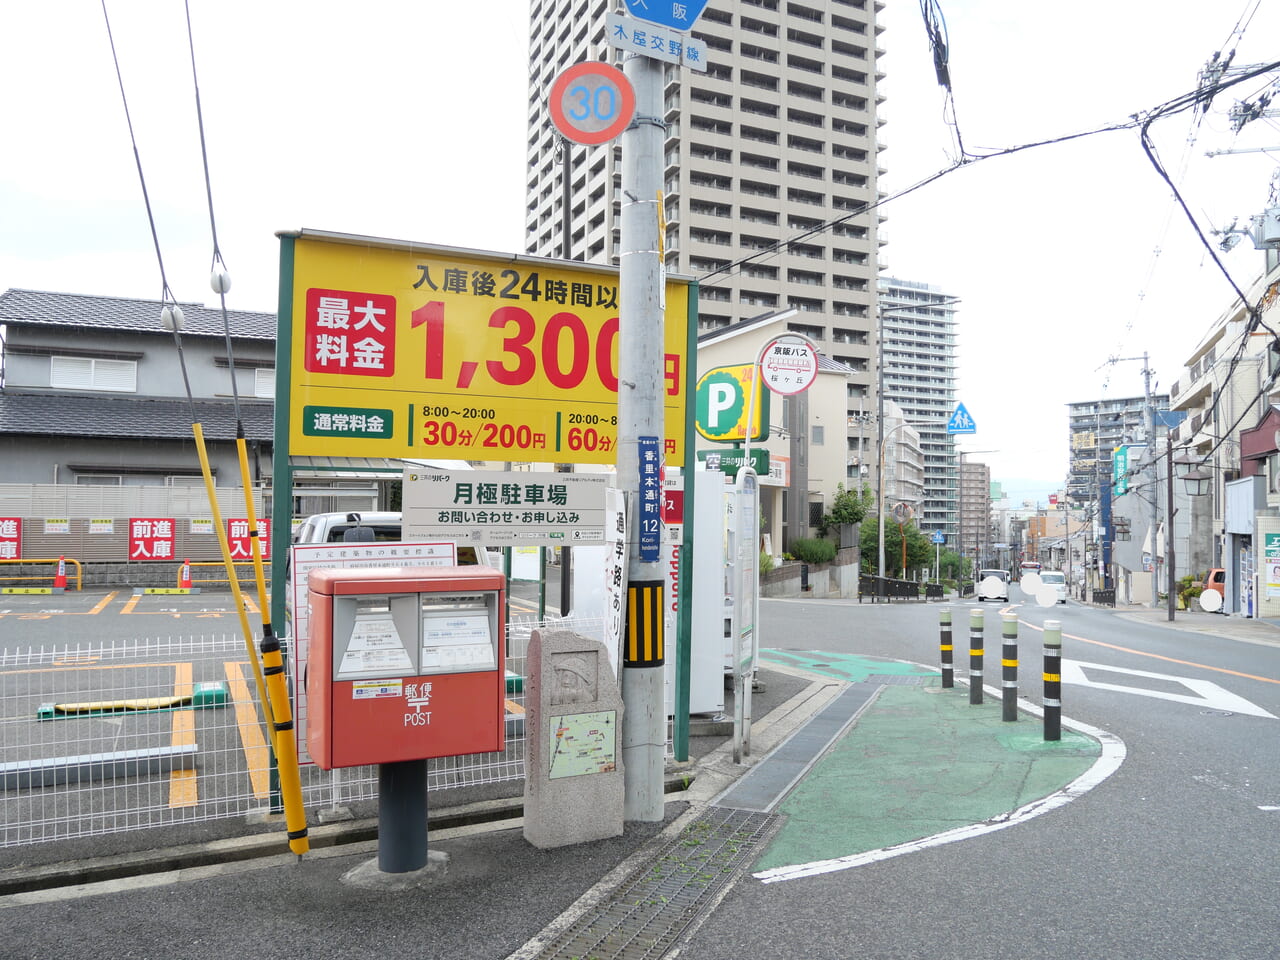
(92, 391)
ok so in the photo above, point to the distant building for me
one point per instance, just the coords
(975, 512)
(904, 471)
(1096, 428)
(919, 347)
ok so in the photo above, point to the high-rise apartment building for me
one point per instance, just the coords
(1097, 427)
(770, 160)
(918, 331)
(975, 513)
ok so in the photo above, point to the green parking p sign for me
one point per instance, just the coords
(720, 405)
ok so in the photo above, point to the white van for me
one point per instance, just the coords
(1056, 579)
(373, 527)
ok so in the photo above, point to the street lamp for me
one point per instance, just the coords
(1197, 483)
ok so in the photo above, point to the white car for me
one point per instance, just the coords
(340, 527)
(1056, 579)
(375, 527)
(993, 585)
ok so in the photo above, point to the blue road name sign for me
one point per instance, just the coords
(961, 422)
(657, 43)
(650, 512)
(675, 14)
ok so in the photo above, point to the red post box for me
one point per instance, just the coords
(406, 663)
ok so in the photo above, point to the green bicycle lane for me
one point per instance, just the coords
(920, 766)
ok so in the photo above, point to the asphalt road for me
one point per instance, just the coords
(1173, 856)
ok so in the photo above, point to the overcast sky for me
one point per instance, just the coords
(407, 120)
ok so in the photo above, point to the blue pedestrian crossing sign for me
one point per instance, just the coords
(937, 537)
(673, 14)
(961, 422)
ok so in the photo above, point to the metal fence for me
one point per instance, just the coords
(91, 523)
(105, 737)
(876, 587)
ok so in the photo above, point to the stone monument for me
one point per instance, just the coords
(573, 741)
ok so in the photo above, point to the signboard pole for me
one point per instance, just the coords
(684, 628)
(281, 473)
(640, 414)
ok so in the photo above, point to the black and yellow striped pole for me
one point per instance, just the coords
(1053, 680)
(1009, 666)
(975, 656)
(945, 648)
(643, 647)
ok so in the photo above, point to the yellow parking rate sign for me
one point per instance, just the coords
(404, 350)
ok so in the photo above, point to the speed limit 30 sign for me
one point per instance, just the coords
(592, 102)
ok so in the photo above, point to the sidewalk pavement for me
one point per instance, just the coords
(1230, 627)
(856, 758)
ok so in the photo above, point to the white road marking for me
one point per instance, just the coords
(1201, 693)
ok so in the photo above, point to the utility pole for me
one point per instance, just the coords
(880, 447)
(1155, 477)
(566, 253)
(1168, 549)
(640, 418)
(1149, 418)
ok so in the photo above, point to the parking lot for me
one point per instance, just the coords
(121, 709)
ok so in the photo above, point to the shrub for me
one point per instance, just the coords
(766, 562)
(813, 551)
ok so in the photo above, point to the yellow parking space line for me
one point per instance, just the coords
(102, 604)
(257, 757)
(45, 615)
(183, 787)
(131, 604)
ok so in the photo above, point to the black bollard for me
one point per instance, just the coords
(945, 646)
(1009, 666)
(975, 656)
(1053, 680)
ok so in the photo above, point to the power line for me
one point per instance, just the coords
(170, 312)
(1138, 121)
